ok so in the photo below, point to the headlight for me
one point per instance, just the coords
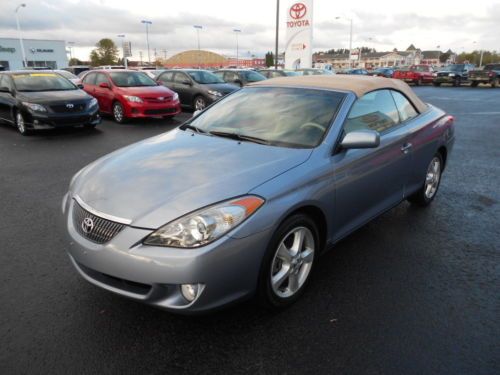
(35, 107)
(214, 93)
(93, 102)
(206, 225)
(134, 99)
(175, 97)
(451, 75)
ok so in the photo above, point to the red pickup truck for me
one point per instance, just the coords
(416, 74)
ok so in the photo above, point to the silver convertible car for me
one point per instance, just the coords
(242, 199)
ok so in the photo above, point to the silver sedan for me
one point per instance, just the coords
(241, 200)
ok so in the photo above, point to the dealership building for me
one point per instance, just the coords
(49, 53)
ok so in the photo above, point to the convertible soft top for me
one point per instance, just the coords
(359, 85)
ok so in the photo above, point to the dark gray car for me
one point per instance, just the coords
(196, 88)
(239, 77)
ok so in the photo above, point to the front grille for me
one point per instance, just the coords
(77, 120)
(443, 74)
(97, 229)
(63, 108)
(159, 111)
(164, 99)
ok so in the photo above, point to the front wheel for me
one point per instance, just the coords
(199, 103)
(119, 113)
(474, 83)
(288, 262)
(437, 84)
(426, 194)
(494, 82)
(457, 82)
(21, 124)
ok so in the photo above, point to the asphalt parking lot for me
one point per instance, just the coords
(414, 292)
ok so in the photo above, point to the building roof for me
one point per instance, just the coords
(431, 54)
(359, 85)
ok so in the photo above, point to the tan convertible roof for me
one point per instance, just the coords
(359, 85)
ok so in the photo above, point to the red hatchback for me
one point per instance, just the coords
(130, 94)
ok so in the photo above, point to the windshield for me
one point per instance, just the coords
(287, 117)
(131, 79)
(42, 82)
(252, 76)
(66, 74)
(492, 67)
(455, 67)
(204, 77)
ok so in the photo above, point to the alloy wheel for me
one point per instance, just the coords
(118, 112)
(20, 123)
(432, 178)
(199, 104)
(292, 262)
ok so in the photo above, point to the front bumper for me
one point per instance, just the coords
(35, 120)
(446, 79)
(146, 109)
(227, 269)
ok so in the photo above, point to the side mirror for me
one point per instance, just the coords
(4, 89)
(80, 86)
(196, 113)
(104, 85)
(361, 139)
(186, 82)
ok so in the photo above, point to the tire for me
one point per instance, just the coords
(295, 265)
(20, 124)
(437, 84)
(119, 113)
(199, 103)
(418, 82)
(494, 82)
(426, 194)
(457, 82)
(474, 84)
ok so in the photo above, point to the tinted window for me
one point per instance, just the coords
(167, 77)
(375, 110)
(131, 79)
(251, 76)
(204, 77)
(405, 108)
(66, 74)
(219, 74)
(41, 82)
(101, 78)
(231, 77)
(180, 78)
(288, 117)
(89, 78)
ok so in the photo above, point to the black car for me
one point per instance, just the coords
(196, 88)
(274, 73)
(33, 100)
(489, 74)
(383, 72)
(455, 74)
(239, 77)
(356, 71)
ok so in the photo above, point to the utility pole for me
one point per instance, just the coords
(277, 34)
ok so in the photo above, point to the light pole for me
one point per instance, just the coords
(122, 37)
(70, 47)
(350, 38)
(25, 63)
(237, 31)
(277, 34)
(198, 28)
(480, 56)
(147, 23)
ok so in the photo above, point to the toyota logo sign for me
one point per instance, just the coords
(298, 11)
(70, 106)
(87, 225)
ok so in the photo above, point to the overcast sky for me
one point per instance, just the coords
(389, 23)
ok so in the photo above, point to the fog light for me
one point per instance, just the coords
(190, 291)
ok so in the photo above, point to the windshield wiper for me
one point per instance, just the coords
(240, 137)
(192, 127)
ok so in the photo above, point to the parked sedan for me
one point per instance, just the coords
(196, 88)
(239, 77)
(33, 100)
(383, 72)
(243, 198)
(130, 94)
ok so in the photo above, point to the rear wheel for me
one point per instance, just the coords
(118, 113)
(494, 82)
(21, 124)
(457, 82)
(425, 195)
(474, 83)
(199, 103)
(288, 262)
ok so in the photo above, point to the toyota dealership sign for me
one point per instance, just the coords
(298, 51)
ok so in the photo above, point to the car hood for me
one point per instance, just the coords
(162, 178)
(146, 91)
(224, 88)
(52, 96)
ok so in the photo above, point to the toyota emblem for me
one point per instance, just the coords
(161, 98)
(87, 225)
(298, 10)
(70, 106)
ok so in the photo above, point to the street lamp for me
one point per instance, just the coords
(198, 28)
(480, 56)
(122, 36)
(147, 23)
(350, 38)
(237, 31)
(25, 63)
(70, 47)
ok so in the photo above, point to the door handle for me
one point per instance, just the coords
(406, 148)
